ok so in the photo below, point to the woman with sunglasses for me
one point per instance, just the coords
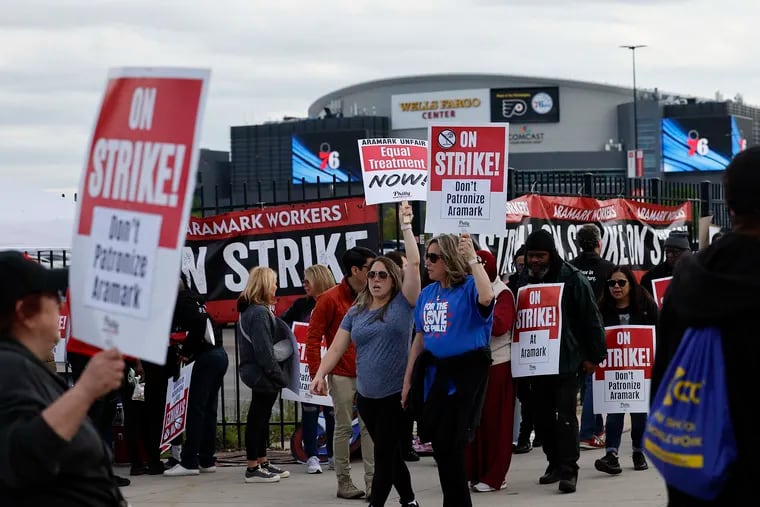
(447, 373)
(625, 302)
(378, 323)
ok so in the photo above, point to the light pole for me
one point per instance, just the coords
(633, 49)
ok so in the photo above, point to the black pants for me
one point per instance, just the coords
(449, 455)
(385, 422)
(257, 427)
(556, 420)
(156, 381)
(135, 422)
(200, 431)
(103, 410)
(527, 410)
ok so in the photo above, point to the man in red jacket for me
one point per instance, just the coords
(328, 313)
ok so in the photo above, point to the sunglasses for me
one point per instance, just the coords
(619, 283)
(382, 275)
(433, 257)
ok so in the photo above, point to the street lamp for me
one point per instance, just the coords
(633, 49)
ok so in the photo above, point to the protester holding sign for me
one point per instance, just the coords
(625, 302)
(50, 452)
(259, 370)
(718, 289)
(316, 280)
(556, 304)
(447, 373)
(677, 246)
(378, 324)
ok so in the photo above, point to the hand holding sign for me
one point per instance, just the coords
(405, 214)
(466, 247)
(318, 386)
(103, 374)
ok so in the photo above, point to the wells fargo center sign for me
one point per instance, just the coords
(416, 110)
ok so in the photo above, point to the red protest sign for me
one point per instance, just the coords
(659, 286)
(538, 329)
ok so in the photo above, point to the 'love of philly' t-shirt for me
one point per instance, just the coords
(382, 346)
(450, 319)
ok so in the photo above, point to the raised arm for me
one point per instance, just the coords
(482, 283)
(411, 285)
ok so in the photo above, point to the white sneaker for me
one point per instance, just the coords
(180, 471)
(208, 470)
(482, 487)
(313, 466)
(330, 464)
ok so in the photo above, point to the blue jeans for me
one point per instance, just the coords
(309, 420)
(615, 430)
(591, 424)
(200, 432)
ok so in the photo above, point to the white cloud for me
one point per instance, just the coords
(269, 59)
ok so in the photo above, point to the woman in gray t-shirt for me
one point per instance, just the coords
(378, 323)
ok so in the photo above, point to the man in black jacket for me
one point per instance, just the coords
(597, 270)
(582, 344)
(719, 287)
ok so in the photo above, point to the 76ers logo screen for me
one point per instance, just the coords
(326, 156)
(702, 143)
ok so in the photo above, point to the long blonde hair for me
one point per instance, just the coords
(320, 277)
(456, 267)
(364, 299)
(258, 289)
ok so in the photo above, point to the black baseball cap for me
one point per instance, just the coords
(21, 276)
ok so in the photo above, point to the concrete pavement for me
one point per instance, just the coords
(226, 488)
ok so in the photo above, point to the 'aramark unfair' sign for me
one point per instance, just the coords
(136, 193)
(467, 185)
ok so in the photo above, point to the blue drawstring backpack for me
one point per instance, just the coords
(689, 436)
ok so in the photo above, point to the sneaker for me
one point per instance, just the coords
(550, 476)
(259, 474)
(331, 463)
(595, 442)
(522, 448)
(482, 487)
(171, 463)
(121, 482)
(312, 466)
(609, 464)
(284, 474)
(179, 471)
(413, 503)
(639, 461)
(207, 470)
(568, 485)
(411, 455)
(138, 470)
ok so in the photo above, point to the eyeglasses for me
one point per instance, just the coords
(619, 283)
(433, 257)
(382, 275)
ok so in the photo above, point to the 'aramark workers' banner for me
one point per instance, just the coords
(135, 198)
(467, 187)
(633, 233)
(622, 381)
(220, 250)
(394, 170)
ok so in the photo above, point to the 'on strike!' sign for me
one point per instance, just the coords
(622, 381)
(467, 186)
(538, 330)
(135, 198)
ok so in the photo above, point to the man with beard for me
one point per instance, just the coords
(582, 344)
(677, 246)
(729, 273)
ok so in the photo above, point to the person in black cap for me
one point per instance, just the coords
(582, 345)
(676, 246)
(50, 453)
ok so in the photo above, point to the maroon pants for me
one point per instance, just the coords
(488, 456)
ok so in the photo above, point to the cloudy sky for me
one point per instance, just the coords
(273, 58)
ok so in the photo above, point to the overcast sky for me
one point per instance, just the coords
(271, 58)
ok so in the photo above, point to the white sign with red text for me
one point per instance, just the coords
(538, 330)
(394, 170)
(175, 412)
(300, 330)
(467, 184)
(622, 381)
(135, 199)
(659, 286)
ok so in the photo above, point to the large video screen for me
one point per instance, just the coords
(702, 143)
(326, 154)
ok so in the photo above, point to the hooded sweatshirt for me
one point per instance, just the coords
(720, 287)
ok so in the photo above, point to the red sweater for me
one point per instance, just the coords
(328, 313)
